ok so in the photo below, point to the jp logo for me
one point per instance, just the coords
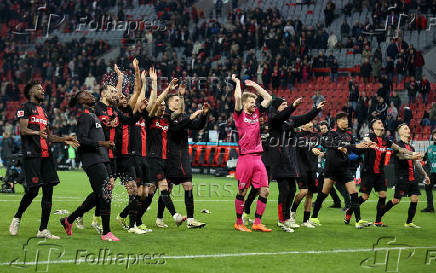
(38, 253)
(388, 254)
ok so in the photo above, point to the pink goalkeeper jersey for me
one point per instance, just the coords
(248, 131)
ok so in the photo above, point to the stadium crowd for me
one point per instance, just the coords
(253, 43)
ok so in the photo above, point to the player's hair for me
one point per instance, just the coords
(247, 95)
(171, 96)
(324, 123)
(371, 123)
(341, 115)
(29, 87)
(74, 100)
(399, 126)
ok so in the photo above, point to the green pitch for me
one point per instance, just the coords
(333, 247)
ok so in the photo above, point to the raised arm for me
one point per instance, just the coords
(120, 79)
(153, 94)
(267, 98)
(141, 96)
(238, 93)
(137, 88)
(172, 86)
(306, 118)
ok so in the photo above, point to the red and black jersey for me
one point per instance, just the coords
(34, 146)
(157, 136)
(374, 159)
(406, 167)
(139, 137)
(105, 114)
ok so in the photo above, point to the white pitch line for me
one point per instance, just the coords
(244, 254)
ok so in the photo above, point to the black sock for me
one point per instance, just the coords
(355, 206)
(189, 203)
(429, 193)
(380, 207)
(361, 200)
(306, 216)
(125, 211)
(160, 207)
(318, 204)
(139, 215)
(334, 195)
(105, 221)
(250, 199)
(412, 212)
(388, 206)
(97, 210)
(86, 206)
(168, 202)
(295, 206)
(133, 210)
(46, 203)
(143, 208)
(26, 200)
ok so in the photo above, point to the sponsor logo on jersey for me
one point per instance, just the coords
(163, 127)
(34, 119)
(251, 121)
(20, 113)
(140, 123)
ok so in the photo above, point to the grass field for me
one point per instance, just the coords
(333, 247)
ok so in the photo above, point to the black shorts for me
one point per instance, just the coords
(373, 181)
(39, 171)
(404, 187)
(308, 181)
(126, 169)
(179, 180)
(158, 169)
(142, 170)
(100, 181)
(340, 177)
(111, 168)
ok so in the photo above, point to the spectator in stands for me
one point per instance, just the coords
(329, 13)
(345, 29)
(412, 89)
(425, 89)
(392, 50)
(390, 124)
(390, 68)
(317, 98)
(392, 111)
(365, 70)
(386, 88)
(401, 70)
(376, 68)
(425, 121)
(419, 63)
(395, 99)
(381, 108)
(332, 41)
(353, 93)
(90, 82)
(334, 71)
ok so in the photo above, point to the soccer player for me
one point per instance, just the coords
(406, 185)
(38, 165)
(127, 143)
(250, 169)
(430, 157)
(307, 157)
(94, 155)
(373, 169)
(284, 166)
(337, 167)
(179, 165)
(157, 122)
(323, 130)
(266, 159)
